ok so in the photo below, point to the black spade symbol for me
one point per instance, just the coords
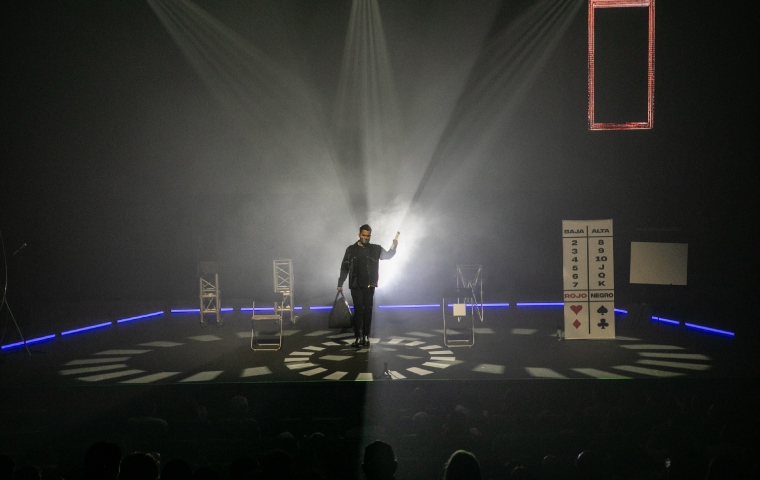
(602, 310)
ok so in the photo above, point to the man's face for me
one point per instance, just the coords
(364, 236)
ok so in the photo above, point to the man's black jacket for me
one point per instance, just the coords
(374, 253)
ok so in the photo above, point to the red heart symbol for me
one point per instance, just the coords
(576, 308)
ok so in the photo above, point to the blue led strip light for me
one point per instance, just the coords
(325, 307)
(694, 326)
(28, 342)
(84, 329)
(541, 304)
(198, 310)
(711, 330)
(665, 320)
(555, 304)
(485, 305)
(147, 315)
(410, 306)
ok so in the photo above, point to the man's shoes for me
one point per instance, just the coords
(357, 343)
(365, 341)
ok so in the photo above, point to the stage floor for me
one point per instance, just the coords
(407, 344)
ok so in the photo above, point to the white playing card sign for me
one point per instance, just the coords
(589, 280)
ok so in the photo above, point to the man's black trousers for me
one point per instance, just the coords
(363, 299)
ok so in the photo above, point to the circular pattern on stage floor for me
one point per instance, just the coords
(417, 359)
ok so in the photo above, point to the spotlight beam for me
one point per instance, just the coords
(509, 63)
(367, 120)
(282, 115)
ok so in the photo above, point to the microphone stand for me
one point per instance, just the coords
(15, 323)
(4, 303)
(387, 373)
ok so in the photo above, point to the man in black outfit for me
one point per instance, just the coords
(361, 264)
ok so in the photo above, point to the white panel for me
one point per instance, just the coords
(542, 372)
(648, 371)
(123, 352)
(154, 377)
(90, 361)
(207, 338)
(489, 368)
(593, 372)
(436, 365)
(688, 366)
(255, 371)
(203, 376)
(298, 366)
(659, 263)
(110, 376)
(77, 371)
(419, 371)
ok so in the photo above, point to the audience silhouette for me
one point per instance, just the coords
(657, 433)
(101, 462)
(462, 465)
(176, 469)
(379, 461)
(139, 466)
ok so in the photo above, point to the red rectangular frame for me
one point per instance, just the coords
(592, 125)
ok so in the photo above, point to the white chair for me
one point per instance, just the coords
(256, 344)
(461, 334)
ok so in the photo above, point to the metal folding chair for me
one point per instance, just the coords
(466, 303)
(460, 299)
(256, 344)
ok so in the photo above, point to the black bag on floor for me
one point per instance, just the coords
(340, 315)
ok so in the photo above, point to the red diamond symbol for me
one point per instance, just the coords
(576, 323)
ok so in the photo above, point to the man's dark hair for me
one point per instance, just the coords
(379, 461)
(365, 227)
(462, 465)
(101, 461)
(139, 466)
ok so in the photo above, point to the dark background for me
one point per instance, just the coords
(121, 170)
